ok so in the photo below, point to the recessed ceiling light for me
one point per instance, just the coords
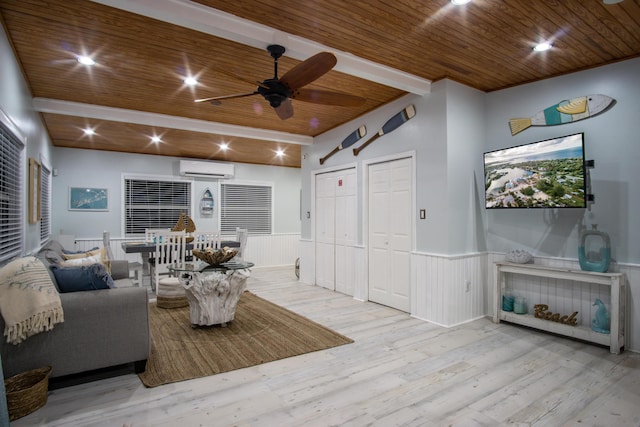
(89, 131)
(460, 2)
(542, 47)
(190, 81)
(86, 60)
(155, 139)
(280, 153)
(224, 147)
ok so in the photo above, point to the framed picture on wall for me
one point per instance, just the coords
(88, 199)
(34, 191)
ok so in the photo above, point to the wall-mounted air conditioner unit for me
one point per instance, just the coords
(211, 170)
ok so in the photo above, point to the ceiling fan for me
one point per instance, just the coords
(280, 91)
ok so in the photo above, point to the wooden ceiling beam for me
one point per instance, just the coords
(225, 25)
(77, 109)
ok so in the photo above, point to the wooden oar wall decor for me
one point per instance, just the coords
(392, 124)
(351, 139)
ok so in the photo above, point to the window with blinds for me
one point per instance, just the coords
(153, 203)
(246, 206)
(11, 191)
(45, 204)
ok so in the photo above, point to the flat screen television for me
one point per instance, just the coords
(542, 174)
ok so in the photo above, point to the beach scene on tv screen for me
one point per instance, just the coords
(545, 174)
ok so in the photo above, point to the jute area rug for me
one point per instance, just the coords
(260, 332)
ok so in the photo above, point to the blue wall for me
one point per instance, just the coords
(611, 139)
(105, 169)
(455, 125)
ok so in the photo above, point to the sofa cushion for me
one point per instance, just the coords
(82, 278)
(68, 252)
(87, 258)
(81, 254)
(52, 252)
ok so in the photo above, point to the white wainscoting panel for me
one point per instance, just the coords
(632, 328)
(449, 290)
(439, 290)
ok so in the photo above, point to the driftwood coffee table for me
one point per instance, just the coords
(213, 292)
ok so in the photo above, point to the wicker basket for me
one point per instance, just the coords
(215, 257)
(27, 392)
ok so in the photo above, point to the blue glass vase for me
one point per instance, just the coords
(588, 262)
(601, 322)
(507, 302)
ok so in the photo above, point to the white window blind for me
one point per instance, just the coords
(153, 203)
(245, 206)
(45, 203)
(11, 191)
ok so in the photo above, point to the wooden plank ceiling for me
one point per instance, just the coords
(141, 62)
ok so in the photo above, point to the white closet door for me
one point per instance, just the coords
(325, 231)
(389, 234)
(345, 226)
(336, 205)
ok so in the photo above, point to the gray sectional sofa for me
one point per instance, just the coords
(102, 328)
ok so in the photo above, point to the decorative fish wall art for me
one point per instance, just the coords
(567, 111)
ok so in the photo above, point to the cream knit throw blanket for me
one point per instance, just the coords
(29, 301)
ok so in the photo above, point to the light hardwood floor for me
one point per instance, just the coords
(400, 371)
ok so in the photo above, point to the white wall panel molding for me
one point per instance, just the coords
(449, 290)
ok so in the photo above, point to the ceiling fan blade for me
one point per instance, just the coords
(218, 98)
(308, 70)
(285, 110)
(326, 97)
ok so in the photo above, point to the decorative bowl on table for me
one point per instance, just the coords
(519, 256)
(215, 257)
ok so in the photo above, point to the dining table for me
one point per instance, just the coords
(145, 249)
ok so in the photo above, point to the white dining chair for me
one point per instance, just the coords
(150, 233)
(170, 249)
(206, 239)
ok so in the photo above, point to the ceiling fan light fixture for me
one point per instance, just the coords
(190, 81)
(85, 60)
(541, 47)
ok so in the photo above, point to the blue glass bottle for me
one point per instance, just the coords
(589, 263)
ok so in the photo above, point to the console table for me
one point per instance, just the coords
(615, 281)
(213, 292)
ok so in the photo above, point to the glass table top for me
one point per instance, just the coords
(201, 266)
